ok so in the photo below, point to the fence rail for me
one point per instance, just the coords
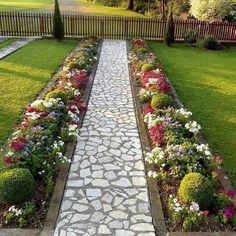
(41, 24)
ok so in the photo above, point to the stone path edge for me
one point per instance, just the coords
(58, 192)
(154, 195)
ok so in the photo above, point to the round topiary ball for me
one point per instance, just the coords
(16, 185)
(57, 93)
(161, 100)
(142, 50)
(147, 67)
(196, 188)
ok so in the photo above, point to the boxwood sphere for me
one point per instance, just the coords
(161, 100)
(196, 188)
(16, 185)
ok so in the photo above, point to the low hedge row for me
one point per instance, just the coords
(192, 197)
(37, 147)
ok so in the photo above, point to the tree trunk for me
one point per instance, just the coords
(131, 5)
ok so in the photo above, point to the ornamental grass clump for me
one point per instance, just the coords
(16, 185)
(196, 188)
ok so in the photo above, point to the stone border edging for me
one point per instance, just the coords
(55, 203)
(153, 189)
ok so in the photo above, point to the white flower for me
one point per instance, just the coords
(184, 112)
(193, 127)
(194, 207)
(152, 174)
(36, 103)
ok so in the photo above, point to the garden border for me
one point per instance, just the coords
(154, 194)
(57, 196)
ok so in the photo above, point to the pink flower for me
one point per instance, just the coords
(157, 134)
(205, 213)
(218, 159)
(148, 109)
(18, 144)
(230, 193)
(229, 211)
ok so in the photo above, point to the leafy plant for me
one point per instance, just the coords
(195, 187)
(16, 185)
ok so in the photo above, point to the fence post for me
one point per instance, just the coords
(41, 25)
(102, 28)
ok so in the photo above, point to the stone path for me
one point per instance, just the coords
(106, 192)
(14, 46)
(3, 39)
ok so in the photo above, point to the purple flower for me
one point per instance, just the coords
(229, 211)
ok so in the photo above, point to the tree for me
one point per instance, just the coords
(170, 29)
(130, 5)
(210, 10)
(58, 27)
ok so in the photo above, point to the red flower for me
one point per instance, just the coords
(79, 81)
(138, 42)
(148, 109)
(78, 102)
(7, 160)
(157, 134)
(230, 193)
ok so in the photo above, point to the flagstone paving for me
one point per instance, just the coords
(106, 191)
(14, 46)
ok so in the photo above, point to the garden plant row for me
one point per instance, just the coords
(36, 149)
(192, 196)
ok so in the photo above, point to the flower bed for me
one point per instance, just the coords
(191, 194)
(36, 148)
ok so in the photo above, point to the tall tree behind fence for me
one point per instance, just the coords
(37, 24)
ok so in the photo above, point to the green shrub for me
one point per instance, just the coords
(196, 188)
(170, 30)
(161, 100)
(210, 43)
(147, 67)
(57, 93)
(58, 27)
(16, 185)
(190, 37)
(142, 50)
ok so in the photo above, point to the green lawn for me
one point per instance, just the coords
(206, 83)
(74, 6)
(6, 43)
(25, 5)
(24, 74)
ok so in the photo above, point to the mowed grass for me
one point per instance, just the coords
(90, 8)
(206, 83)
(83, 7)
(24, 74)
(25, 5)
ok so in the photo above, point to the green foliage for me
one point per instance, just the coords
(58, 27)
(210, 10)
(142, 50)
(109, 3)
(57, 93)
(192, 221)
(209, 43)
(161, 100)
(196, 188)
(147, 67)
(16, 185)
(170, 30)
(190, 36)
